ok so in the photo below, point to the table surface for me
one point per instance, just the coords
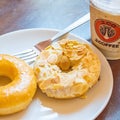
(57, 14)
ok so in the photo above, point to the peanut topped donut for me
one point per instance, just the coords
(67, 69)
(17, 94)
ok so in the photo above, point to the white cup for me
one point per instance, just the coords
(105, 27)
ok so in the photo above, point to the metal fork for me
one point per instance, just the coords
(30, 55)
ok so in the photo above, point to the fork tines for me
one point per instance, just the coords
(27, 55)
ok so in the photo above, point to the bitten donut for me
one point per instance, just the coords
(67, 69)
(17, 94)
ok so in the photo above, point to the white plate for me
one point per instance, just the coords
(44, 108)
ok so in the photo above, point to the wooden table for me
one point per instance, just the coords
(22, 14)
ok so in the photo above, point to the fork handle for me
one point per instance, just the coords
(74, 25)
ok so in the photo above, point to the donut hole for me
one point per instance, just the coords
(64, 63)
(8, 72)
(4, 80)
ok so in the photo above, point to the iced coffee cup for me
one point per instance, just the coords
(105, 27)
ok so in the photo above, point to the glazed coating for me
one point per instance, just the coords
(18, 94)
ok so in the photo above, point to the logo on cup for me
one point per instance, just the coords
(107, 30)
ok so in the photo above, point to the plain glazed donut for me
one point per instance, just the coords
(67, 69)
(16, 95)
